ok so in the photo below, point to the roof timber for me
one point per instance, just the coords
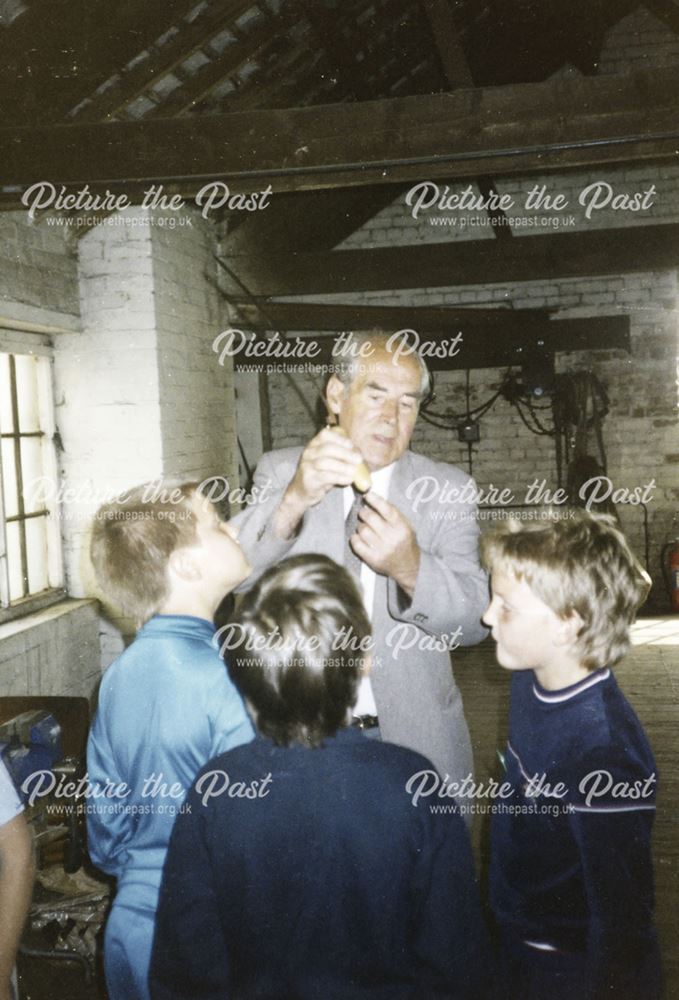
(340, 56)
(450, 339)
(518, 129)
(211, 75)
(464, 262)
(458, 74)
(448, 45)
(37, 44)
(161, 60)
(350, 316)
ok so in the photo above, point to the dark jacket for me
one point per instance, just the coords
(326, 884)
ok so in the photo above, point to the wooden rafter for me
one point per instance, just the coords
(343, 316)
(162, 60)
(518, 129)
(470, 338)
(290, 74)
(458, 74)
(96, 42)
(447, 40)
(481, 262)
(339, 56)
(213, 73)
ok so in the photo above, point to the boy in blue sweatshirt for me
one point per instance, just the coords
(571, 875)
(166, 705)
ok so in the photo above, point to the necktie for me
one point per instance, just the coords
(351, 560)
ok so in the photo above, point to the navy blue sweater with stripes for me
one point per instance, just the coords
(571, 848)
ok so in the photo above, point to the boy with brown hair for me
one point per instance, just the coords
(166, 705)
(302, 869)
(571, 874)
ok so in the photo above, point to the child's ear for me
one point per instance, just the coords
(569, 629)
(183, 565)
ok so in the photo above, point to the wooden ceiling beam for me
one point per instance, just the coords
(134, 81)
(339, 56)
(458, 74)
(518, 129)
(97, 41)
(198, 86)
(498, 340)
(447, 40)
(347, 316)
(453, 264)
(284, 90)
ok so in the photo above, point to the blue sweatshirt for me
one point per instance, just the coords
(165, 707)
(571, 865)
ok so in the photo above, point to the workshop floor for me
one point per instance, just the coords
(649, 677)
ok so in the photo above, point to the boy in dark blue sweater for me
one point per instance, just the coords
(300, 869)
(571, 874)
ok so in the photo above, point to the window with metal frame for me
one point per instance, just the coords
(30, 545)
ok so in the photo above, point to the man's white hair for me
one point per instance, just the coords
(346, 369)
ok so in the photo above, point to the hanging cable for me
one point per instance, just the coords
(272, 326)
(476, 412)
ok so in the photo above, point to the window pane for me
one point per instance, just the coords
(16, 583)
(27, 392)
(9, 480)
(31, 469)
(6, 423)
(36, 551)
(32, 562)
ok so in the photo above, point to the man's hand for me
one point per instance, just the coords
(329, 459)
(386, 541)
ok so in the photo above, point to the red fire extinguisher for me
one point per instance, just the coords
(670, 564)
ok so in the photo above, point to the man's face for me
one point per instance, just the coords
(380, 408)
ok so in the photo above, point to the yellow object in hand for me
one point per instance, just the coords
(362, 478)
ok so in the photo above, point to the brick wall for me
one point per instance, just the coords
(639, 41)
(395, 225)
(196, 392)
(38, 277)
(55, 652)
(107, 383)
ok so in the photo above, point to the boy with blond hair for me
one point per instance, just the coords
(571, 875)
(166, 705)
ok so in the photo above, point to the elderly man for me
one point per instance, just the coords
(411, 541)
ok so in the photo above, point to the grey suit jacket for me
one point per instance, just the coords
(418, 702)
